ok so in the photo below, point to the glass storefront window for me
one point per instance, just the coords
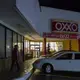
(37, 43)
(14, 39)
(36, 46)
(26, 46)
(31, 42)
(41, 46)
(56, 46)
(53, 46)
(22, 42)
(8, 43)
(8, 40)
(32, 48)
(19, 42)
(2, 42)
(60, 45)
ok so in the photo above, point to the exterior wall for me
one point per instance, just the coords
(30, 10)
(51, 13)
(5, 64)
(41, 20)
(10, 27)
(5, 57)
(47, 14)
(66, 45)
(75, 45)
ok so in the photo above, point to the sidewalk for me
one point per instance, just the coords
(23, 73)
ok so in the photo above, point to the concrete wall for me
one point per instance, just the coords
(30, 10)
(5, 64)
(41, 20)
(51, 13)
(10, 27)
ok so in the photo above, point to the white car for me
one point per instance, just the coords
(61, 61)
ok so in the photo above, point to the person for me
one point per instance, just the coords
(15, 57)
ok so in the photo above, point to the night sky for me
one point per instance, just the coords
(72, 5)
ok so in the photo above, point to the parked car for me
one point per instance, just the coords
(62, 61)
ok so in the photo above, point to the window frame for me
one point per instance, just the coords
(6, 42)
(4, 46)
(5, 35)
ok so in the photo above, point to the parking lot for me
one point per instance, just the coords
(57, 75)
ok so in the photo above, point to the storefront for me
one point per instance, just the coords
(54, 46)
(9, 38)
(64, 34)
(32, 49)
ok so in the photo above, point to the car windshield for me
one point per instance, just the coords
(57, 53)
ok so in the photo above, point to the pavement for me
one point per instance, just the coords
(38, 75)
(23, 74)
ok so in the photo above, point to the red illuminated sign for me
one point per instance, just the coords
(64, 26)
(60, 35)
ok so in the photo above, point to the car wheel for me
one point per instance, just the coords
(47, 68)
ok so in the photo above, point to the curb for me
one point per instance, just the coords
(26, 76)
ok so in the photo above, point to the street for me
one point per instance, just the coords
(38, 75)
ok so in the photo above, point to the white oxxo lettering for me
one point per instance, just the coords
(66, 27)
(64, 36)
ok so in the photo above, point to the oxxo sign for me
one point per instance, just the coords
(60, 35)
(64, 26)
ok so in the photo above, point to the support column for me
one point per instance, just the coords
(44, 46)
(79, 44)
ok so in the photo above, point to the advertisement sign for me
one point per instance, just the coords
(64, 26)
(60, 35)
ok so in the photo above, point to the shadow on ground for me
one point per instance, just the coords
(64, 73)
(10, 75)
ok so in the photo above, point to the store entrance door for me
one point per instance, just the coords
(35, 48)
